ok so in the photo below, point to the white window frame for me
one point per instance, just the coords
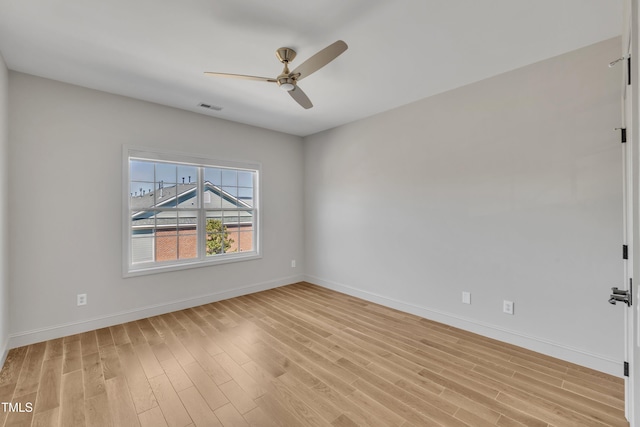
(130, 269)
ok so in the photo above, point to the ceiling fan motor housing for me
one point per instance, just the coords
(286, 82)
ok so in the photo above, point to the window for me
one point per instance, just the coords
(185, 211)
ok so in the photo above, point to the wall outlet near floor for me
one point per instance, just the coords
(82, 299)
(507, 307)
(466, 297)
(293, 263)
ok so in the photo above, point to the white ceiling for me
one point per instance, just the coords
(399, 51)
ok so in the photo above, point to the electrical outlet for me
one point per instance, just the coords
(507, 307)
(82, 299)
(293, 263)
(466, 297)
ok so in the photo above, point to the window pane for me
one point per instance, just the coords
(166, 245)
(229, 201)
(229, 177)
(245, 242)
(167, 173)
(187, 195)
(231, 218)
(245, 179)
(143, 221)
(214, 244)
(213, 175)
(140, 170)
(214, 215)
(245, 195)
(167, 220)
(212, 199)
(188, 220)
(218, 240)
(141, 195)
(187, 174)
(165, 194)
(187, 242)
(231, 191)
(233, 239)
(187, 234)
(142, 248)
(166, 197)
(246, 218)
(140, 188)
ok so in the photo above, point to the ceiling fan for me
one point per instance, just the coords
(288, 80)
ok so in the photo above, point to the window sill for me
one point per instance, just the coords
(186, 265)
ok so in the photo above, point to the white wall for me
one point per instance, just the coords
(509, 188)
(65, 207)
(4, 206)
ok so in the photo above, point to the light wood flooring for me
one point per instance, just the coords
(298, 355)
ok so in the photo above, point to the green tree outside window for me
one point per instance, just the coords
(218, 240)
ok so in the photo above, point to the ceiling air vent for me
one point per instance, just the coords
(209, 106)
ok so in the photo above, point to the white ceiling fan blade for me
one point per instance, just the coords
(240, 76)
(320, 59)
(301, 97)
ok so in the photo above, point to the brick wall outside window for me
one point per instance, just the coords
(171, 246)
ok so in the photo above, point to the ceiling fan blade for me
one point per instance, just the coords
(300, 97)
(241, 76)
(320, 59)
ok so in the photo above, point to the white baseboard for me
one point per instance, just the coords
(537, 344)
(43, 334)
(4, 350)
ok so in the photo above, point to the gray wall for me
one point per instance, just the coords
(65, 207)
(509, 188)
(4, 206)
